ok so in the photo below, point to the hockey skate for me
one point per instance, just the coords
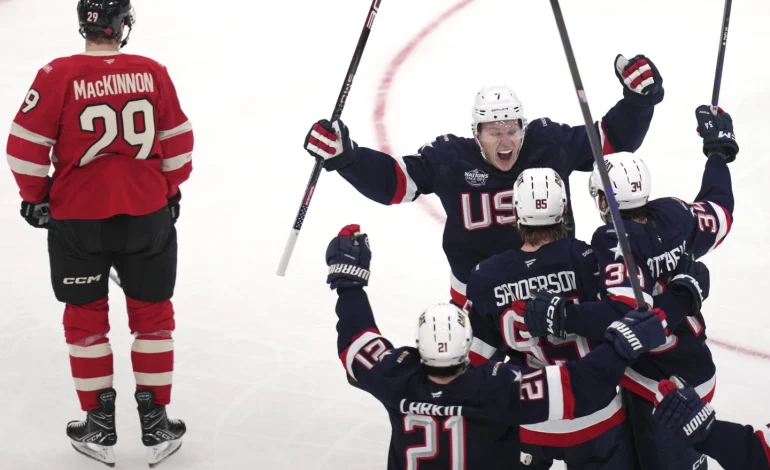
(162, 436)
(96, 436)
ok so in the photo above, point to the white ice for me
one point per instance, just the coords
(257, 378)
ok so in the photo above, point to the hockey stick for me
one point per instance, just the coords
(303, 208)
(593, 138)
(721, 56)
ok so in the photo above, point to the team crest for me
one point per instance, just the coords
(461, 320)
(557, 180)
(476, 178)
(421, 320)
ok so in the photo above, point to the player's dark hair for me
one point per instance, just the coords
(636, 213)
(100, 38)
(535, 235)
(450, 371)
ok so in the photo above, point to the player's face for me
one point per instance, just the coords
(501, 142)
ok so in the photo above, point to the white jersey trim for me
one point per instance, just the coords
(175, 163)
(651, 386)
(90, 352)
(27, 168)
(629, 293)
(482, 349)
(148, 346)
(577, 424)
(178, 130)
(722, 231)
(157, 379)
(90, 385)
(29, 136)
(355, 347)
(555, 392)
(411, 187)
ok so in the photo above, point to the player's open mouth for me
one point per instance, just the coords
(505, 156)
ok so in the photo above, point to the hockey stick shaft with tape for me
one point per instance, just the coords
(721, 56)
(596, 147)
(338, 107)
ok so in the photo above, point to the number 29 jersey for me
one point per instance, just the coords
(112, 126)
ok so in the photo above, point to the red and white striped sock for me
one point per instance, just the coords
(85, 329)
(152, 356)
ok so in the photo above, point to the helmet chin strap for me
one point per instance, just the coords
(125, 40)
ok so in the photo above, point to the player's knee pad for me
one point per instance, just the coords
(84, 321)
(148, 317)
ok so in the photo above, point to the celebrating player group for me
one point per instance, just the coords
(542, 353)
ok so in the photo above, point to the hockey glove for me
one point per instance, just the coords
(546, 315)
(717, 132)
(642, 83)
(694, 278)
(173, 206)
(36, 214)
(331, 141)
(637, 333)
(348, 257)
(683, 412)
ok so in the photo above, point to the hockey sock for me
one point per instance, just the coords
(85, 329)
(152, 352)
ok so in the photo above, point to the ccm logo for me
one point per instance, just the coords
(82, 280)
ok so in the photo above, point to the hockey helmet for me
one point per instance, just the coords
(104, 18)
(443, 336)
(539, 197)
(631, 183)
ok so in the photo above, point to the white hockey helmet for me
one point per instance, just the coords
(539, 197)
(443, 336)
(496, 103)
(631, 182)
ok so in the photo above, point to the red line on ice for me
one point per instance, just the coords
(383, 143)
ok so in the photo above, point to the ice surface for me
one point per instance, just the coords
(257, 378)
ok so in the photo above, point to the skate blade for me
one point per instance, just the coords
(159, 453)
(103, 454)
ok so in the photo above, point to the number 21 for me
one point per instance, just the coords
(455, 425)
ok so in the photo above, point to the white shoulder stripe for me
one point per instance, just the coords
(27, 168)
(175, 163)
(29, 136)
(180, 129)
(629, 292)
(482, 349)
(722, 230)
(411, 186)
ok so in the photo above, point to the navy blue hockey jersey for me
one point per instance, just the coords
(476, 197)
(497, 290)
(673, 228)
(737, 447)
(473, 421)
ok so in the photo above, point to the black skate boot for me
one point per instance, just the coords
(96, 436)
(162, 436)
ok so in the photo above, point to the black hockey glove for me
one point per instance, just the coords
(348, 257)
(694, 278)
(331, 141)
(717, 132)
(637, 333)
(36, 214)
(683, 412)
(173, 206)
(546, 315)
(642, 83)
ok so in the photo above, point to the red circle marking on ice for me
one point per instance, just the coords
(383, 143)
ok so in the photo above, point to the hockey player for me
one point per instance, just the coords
(473, 177)
(734, 446)
(121, 147)
(444, 416)
(662, 233)
(497, 291)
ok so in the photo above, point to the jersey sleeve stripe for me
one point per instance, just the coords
(178, 130)
(29, 136)
(349, 354)
(175, 163)
(606, 145)
(725, 223)
(406, 188)
(626, 294)
(27, 168)
(561, 403)
(481, 349)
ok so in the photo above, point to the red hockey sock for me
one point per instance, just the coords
(85, 329)
(152, 353)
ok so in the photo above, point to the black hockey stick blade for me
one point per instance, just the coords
(721, 56)
(338, 107)
(593, 137)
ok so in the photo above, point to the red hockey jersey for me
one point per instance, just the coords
(121, 142)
